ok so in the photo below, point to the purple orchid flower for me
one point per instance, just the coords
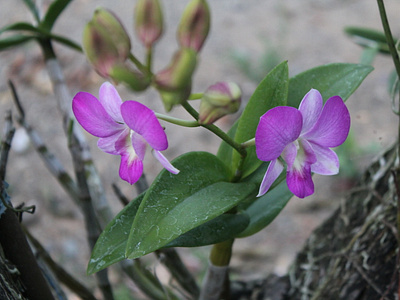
(123, 128)
(302, 138)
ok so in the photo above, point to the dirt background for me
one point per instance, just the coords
(307, 33)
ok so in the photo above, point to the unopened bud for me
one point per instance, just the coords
(195, 25)
(178, 75)
(172, 98)
(148, 21)
(132, 78)
(220, 99)
(105, 41)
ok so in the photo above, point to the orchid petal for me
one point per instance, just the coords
(138, 144)
(278, 127)
(109, 144)
(300, 182)
(93, 117)
(289, 154)
(131, 168)
(275, 168)
(310, 108)
(142, 120)
(111, 101)
(164, 161)
(332, 127)
(327, 161)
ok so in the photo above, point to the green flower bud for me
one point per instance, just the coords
(195, 25)
(178, 75)
(133, 79)
(105, 41)
(220, 99)
(172, 98)
(148, 21)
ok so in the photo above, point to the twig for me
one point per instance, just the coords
(61, 274)
(52, 163)
(171, 259)
(122, 198)
(9, 131)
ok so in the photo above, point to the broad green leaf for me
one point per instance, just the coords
(175, 204)
(266, 208)
(55, 9)
(331, 80)
(111, 244)
(271, 92)
(215, 231)
(14, 40)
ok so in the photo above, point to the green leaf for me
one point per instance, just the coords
(20, 26)
(111, 244)
(266, 208)
(55, 9)
(34, 10)
(271, 92)
(367, 37)
(215, 231)
(66, 42)
(175, 204)
(225, 150)
(14, 40)
(331, 80)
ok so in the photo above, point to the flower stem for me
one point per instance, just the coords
(176, 121)
(137, 63)
(249, 143)
(216, 130)
(195, 96)
(149, 59)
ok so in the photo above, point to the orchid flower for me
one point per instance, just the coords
(302, 138)
(123, 128)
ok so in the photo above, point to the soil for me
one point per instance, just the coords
(307, 33)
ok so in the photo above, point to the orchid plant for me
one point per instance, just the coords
(201, 198)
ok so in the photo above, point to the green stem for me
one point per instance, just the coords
(195, 96)
(216, 130)
(221, 253)
(389, 37)
(137, 63)
(176, 121)
(249, 143)
(149, 58)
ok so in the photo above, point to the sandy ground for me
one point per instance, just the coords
(307, 33)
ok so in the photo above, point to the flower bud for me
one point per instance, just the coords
(133, 79)
(178, 75)
(220, 99)
(195, 25)
(105, 41)
(172, 98)
(148, 21)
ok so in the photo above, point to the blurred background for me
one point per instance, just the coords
(247, 39)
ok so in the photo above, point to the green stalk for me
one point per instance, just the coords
(137, 63)
(177, 121)
(216, 130)
(195, 96)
